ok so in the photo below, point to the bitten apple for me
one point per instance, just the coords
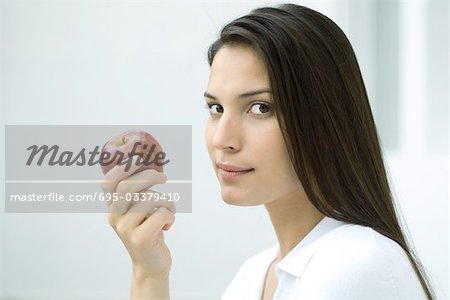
(133, 142)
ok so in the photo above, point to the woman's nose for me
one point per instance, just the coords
(227, 133)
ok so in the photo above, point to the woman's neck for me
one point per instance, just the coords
(293, 216)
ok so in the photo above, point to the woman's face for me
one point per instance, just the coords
(243, 131)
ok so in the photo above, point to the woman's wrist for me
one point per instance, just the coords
(145, 288)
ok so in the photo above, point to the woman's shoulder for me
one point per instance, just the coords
(364, 244)
(354, 237)
(360, 262)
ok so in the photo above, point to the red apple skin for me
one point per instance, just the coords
(124, 143)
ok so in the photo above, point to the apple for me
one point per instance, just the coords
(132, 142)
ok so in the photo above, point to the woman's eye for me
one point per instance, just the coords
(214, 108)
(257, 108)
(261, 108)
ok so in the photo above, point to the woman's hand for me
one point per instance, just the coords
(140, 224)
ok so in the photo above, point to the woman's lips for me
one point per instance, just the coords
(231, 168)
(228, 171)
(233, 174)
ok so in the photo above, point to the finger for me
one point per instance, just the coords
(141, 210)
(141, 180)
(128, 189)
(157, 221)
(118, 173)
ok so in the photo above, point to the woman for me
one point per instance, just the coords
(290, 127)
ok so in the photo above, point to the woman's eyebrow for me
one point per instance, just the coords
(244, 95)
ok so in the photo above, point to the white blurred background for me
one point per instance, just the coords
(144, 62)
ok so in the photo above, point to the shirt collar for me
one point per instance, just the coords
(296, 260)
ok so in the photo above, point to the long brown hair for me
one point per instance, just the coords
(323, 110)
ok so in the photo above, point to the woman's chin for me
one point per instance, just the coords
(237, 200)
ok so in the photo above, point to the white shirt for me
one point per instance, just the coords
(335, 260)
